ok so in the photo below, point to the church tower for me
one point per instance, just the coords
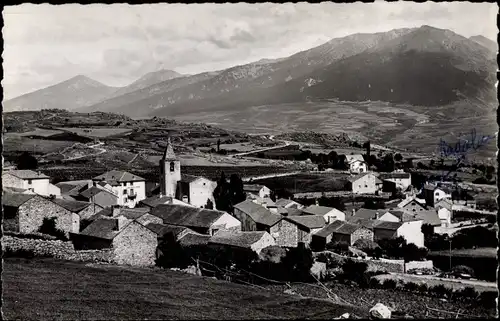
(170, 171)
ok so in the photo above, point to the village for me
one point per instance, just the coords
(114, 212)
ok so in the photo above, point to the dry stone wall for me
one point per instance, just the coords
(56, 249)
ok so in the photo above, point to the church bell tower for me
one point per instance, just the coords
(170, 171)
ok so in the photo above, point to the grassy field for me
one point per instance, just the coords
(100, 132)
(42, 289)
(36, 146)
(478, 252)
(303, 183)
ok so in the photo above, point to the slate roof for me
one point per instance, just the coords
(408, 200)
(339, 227)
(294, 211)
(156, 200)
(393, 226)
(26, 174)
(93, 191)
(194, 239)
(429, 217)
(446, 203)
(285, 202)
(14, 189)
(429, 187)
(103, 227)
(357, 177)
(186, 216)
(72, 206)
(162, 229)
(308, 221)
(238, 239)
(15, 199)
(401, 215)
(115, 177)
(252, 187)
(355, 157)
(378, 181)
(185, 178)
(169, 154)
(368, 213)
(319, 210)
(364, 222)
(258, 213)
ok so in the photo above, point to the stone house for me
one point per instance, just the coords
(254, 241)
(83, 209)
(330, 214)
(411, 231)
(363, 183)
(340, 231)
(98, 196)
(261, 191)
(356, 163)
(25, 213)
(36, 182)
(434, 194)
(254, 217)
(129, 188)
(200, 220)
(417, 210)
(130, 242)
(295, 230)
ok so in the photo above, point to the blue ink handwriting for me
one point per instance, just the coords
(463, 146)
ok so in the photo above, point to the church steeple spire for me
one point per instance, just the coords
(169, 151)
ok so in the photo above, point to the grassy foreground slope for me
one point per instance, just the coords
(60, 290)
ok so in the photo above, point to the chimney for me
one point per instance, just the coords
(121, 222)
(353, 212)
(115, 210)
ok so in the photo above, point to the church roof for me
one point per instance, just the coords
(169, 151)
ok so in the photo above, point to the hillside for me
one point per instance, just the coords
(41, 289)
(487, 43)
(425, 67)
(148, 80)
(70, 94)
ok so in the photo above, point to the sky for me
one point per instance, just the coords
(117, 44)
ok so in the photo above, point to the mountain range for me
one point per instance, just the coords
(423, 66)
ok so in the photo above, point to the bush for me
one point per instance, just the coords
(423, 288)
(389, 284)
(411, 286)
(439, 290)
(468, 292)
(331, 259)
(338, 247)
(367, 246)
(354, 271)
(49, 227)
(375, 283)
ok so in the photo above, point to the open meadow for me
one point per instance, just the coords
(42, 289)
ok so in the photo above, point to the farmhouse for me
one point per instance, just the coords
(259, 190)
(363, 183)
(195, 190)
(356, 163)
(203, 221)
(254, 240)
(25, 213)
(255, 217)
(36, 182)
(411, 231)
(444, 209)
(130, 188)
(412, 207)
(301, 230)
(434, 194)
(129, 242)
(340, 231)
(329, 213)
(401, 180)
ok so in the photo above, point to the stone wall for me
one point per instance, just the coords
(419, 265)
(56, 249)
(135, 245)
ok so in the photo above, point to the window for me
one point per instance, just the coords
(366, 185)
(124, 192)
(124, 200)
(29, 181)
(437, 193)
(130, 183)
(131, 191)
(172, 166)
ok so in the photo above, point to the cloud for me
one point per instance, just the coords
(116, 44)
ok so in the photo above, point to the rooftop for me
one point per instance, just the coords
(115, 177)
(169, 154)
(103, 227)
(93, 191)
(339, 227)
(72, 206)
(26, 174)
(308, 221)
(252, 187)
(357, 177)
(369, 213)
(194, 239)
(258, 213)
(186, 216)
(355, 157)
(15, 199)
(162, 229)
(156, 200)
(189, 178)
(238, 239)
(320, 210)
(394, 175)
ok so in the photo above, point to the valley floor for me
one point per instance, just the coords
(41, 289)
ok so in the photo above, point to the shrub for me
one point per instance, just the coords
(49, 227)
(463, 269)
(331, 259)
(439, 290)
(468, 292)
(338, 247)
(355, 271)
(411, 286)
(389, 284)
(423, 288)
(375, 283)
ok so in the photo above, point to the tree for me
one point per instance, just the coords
(26, 161)
(221, 194)
(170, 253)
(388, 163)
(398, 157)
(298, 262)
(218, 145)
(367, 146)
(272, 196)
(237, 195)
(49, 226)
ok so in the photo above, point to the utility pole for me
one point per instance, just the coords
(449, 240)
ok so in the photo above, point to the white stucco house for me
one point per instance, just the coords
(30, 181)
(356, 163)
(364, 183)
(400, 178)
(130, 188)
(260, 190)
(445, 210)
(330, 214)
(411, 231)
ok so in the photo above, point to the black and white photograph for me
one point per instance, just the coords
(250, 161)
